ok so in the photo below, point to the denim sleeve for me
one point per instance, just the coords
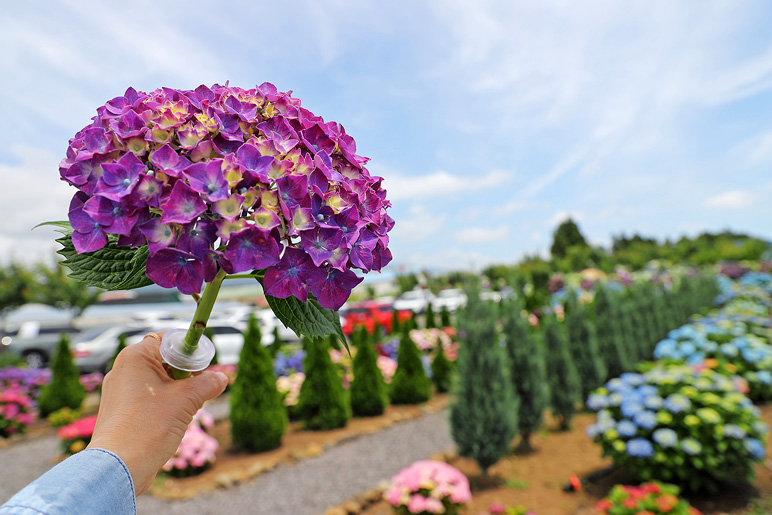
(90, 482)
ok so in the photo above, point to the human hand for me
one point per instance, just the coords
(143, 413)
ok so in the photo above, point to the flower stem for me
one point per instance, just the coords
(200, 319)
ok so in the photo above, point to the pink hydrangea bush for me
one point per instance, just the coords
(17, 411)
(428, 341)
(388, 367)
(289, 387)
(197, 450)
(428, 487)
(27, 381)
(76, 436)
(92, 381)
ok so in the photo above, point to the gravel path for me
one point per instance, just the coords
(310, 486)
(306, 487)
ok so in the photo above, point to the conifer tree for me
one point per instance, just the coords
(565, 388)
(442, 370)
(430, 322)
(65, 389)
(322, 404)
(410, 384)
(445, 317)
(583, 347)
(610, 342)
(368, 389)
(526, 365)
(118, 349)
(483, 418)
(257, 413)
(277, 343)
(395, 325)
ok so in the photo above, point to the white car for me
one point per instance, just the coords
(451, 299)
(93, 349)
(416, 301)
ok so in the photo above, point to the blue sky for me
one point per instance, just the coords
(491, 121)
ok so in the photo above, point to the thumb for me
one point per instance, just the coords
(206, 385)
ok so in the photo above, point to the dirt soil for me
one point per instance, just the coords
(536, 480)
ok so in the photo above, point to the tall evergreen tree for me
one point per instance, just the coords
(483, 418)
(526, 365)
(257, 413)
(118, 349)
(430, 321)
(445, 317)
(442, 370)
(583, 348)
(410, 384)
(395, 325)
(610, 342)
(277, 343)
(565, 388)
(368, 389)
(65, 389)
(322, 404)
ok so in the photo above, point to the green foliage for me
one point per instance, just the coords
(109, 268)
(308, 319)
(118, 349)
(483, 418)
(526, 365)
(277, 343)
(430, 322)
(15, 283)
(444, 317)
(10, 359)
(565, 386)
(705, 434)
(611, 342)
(406, 282)
(54, 287)
(258, 416)
(65, 388)
(410, 384)
(442, 370)
(368, 389)
(583, 347)
(567, 235)
(322, 404)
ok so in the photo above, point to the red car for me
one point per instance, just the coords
(368, 313)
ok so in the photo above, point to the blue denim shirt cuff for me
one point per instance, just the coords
(93, 481)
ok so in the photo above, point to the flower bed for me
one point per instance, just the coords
(27, 381)
(677, 424)
(197, 449)
(650, 499)
(17, 411)
(76, 436)
(427, 487)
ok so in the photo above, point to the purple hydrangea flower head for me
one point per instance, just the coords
(228, 178)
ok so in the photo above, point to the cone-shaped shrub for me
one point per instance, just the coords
(442, 370)
(257, 414)
(121, 346)
(65, 389)
(410, 384)
(565, 388)
(430, 322)
(395, 325)
(483, 418)
(322, 404)
(368, 389)
(583, 346)
(444, 317)
(277, 343)
(526, 365)
(610, 342)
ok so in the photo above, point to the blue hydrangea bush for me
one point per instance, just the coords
(677, 424)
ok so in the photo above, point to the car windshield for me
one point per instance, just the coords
(356, 311)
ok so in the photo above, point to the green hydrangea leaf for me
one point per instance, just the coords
(307, 319)
(109, 268)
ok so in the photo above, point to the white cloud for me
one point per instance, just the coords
(731, 200)
(441, 183)
(475, 235)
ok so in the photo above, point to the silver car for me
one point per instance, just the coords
(93, 349)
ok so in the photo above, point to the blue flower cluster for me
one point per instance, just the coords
(285, 365)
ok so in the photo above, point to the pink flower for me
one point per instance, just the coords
(417, 504)
(496, 508)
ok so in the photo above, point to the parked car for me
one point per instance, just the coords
(35, 343)
(451, 299)
(368, 313)
(93, 349)
(416, 301)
